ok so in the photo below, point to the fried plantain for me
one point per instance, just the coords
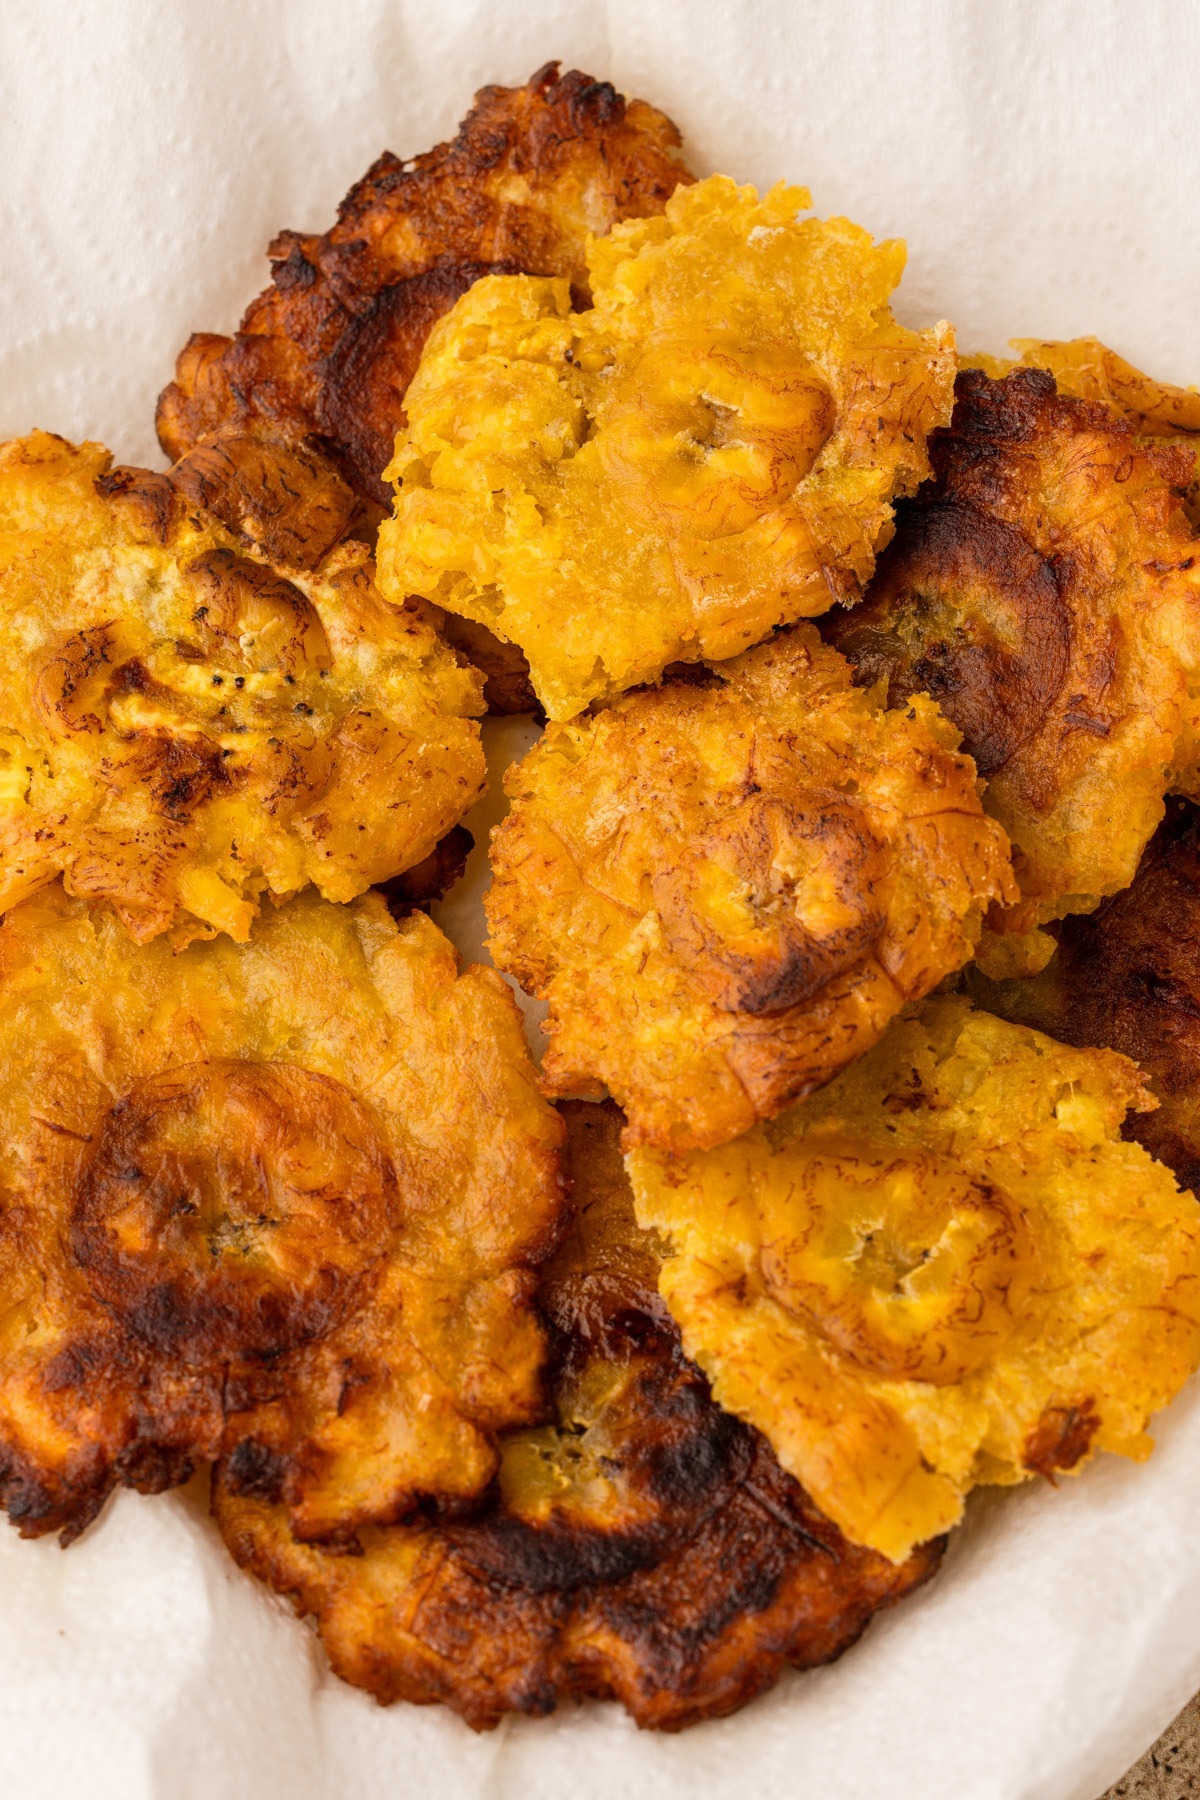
(711, 451)
(643, 1546)
(944, 1269)
(186, 726)
(328, 350)
(324, 356)
(1045, 589)
(278, 1201)
(725, 891)
(1088, 370)
(1127, 978)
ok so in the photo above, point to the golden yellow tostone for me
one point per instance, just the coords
(186, 727)
(945, 1269)
(710, 451)
(726, 888)
(276, 1201)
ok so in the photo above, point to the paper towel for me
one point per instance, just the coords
(1039, 159)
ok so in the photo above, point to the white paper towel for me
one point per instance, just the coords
(1041, 160)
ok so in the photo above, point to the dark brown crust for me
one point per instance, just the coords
(183, 1282)
(1061, 1439)
(147, 1432)
(429, 880)
(286, 501)
(506, 684)
(1091, 371)
(150, 502)
(208, 1257)
(997, 689)
(700, 1573)
(765, 1584)
(1127, 977)
(328, 350)
(971, 602)
(123, 1416)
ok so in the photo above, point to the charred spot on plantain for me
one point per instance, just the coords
(507, 1551)
(34, 1509)
(73, 1367)
(359, 403)
(153, 1468)
(1061, 1438)
(713, 1447)
(257, 1471)
(132, 677)
(181, 774)
(261, 1198)
(983, 626)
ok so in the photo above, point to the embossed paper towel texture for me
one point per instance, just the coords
(1041, 161)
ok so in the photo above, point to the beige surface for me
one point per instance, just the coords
(1171, 1769)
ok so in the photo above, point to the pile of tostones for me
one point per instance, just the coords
(854, 869)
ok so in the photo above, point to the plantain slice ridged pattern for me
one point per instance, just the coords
(279, 1201)
(946, 1268)
(725, 889)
